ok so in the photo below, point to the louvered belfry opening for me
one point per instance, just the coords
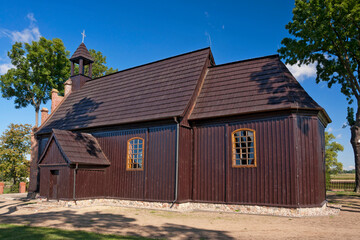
(82, 57)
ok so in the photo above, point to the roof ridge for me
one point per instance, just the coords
(245, 60)
(164, 59)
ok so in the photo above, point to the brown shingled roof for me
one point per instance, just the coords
(254, 85)
(78, 148)
(82, 52)
(153, 91)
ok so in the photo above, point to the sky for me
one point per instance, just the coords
(131, 33)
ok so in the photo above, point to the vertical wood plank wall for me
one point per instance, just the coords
(154, 183)
(185, 164)
(64, 187)
(289, 172)
(282, 154)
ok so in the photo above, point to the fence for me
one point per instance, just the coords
(345, 185)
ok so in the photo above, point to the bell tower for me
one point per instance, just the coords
(81, 57)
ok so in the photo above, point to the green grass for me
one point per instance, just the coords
(10, 231)
(343, 176)
(345, 193)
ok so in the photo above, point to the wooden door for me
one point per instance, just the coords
(54, 175)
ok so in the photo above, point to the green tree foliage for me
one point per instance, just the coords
(39, 67)
(327, 32)
(331, 153)
(14, 146)
(99, 68)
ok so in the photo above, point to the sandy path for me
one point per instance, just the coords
(196, 225)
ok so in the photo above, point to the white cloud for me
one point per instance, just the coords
(31, 17)
(223, 26)
(303, 72)
(350, 168)
(32, 33)
(330, 129)
(5, 67)
(338, 136)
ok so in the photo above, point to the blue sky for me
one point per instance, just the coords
(131, 33)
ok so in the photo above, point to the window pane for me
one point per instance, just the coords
(135, 153)
(243, 143)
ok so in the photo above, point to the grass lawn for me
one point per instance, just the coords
(9, 231)
(343, 176)
(344, 193)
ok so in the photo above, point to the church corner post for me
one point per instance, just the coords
(355, 142)
(33, 185)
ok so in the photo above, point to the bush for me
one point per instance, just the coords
(14, 188)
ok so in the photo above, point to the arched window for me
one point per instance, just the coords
(135, 154)
(243, 148)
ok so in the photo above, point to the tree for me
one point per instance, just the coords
(39, 67)
(14, 146)
(332, 148)
(327, 33)
(98, 69)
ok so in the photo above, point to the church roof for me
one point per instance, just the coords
(254, 85)
(77, 148)
(166, 89)
(158, 90)
(82, 52)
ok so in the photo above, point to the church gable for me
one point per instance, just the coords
(52, 155)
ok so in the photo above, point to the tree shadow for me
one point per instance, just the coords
(281, 90)
(90, 144)
(77, 115)
(96, 221)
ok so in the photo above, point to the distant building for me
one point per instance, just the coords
(184, 129)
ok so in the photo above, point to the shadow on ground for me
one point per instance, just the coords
(348, 203)
(107, 223)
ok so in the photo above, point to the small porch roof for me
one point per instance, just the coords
(77, 148)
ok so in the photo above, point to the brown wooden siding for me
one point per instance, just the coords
(64, 182)
(155, 182)
(272, 182)
(185, 164)
(209, 166)
(87, 181)
(122, 183)
(286, 146)
(53, 158)
(310, 161)
(53, 155)
(160, 170)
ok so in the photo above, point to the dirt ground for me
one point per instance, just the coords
(190, 225)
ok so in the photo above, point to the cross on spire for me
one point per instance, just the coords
(83, 35)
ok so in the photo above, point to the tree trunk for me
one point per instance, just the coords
(355, 142)
(36, 116)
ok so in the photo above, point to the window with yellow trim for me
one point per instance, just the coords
(243, 148)
(135, 154)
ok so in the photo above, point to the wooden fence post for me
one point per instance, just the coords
(1, 187)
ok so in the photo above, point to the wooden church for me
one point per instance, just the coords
(183, 129)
